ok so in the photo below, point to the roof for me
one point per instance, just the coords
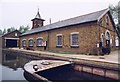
(38, 17)
(72, 21)
(11, 32)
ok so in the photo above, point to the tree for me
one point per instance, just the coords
(8, 30)
(115, 11)
(4, 31)
(24, 29)
(1, 32)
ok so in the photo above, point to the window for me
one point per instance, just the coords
(24, 43)
(102, 40)
(16, 34)
(107, 19)
(31, 42)
(39, 42)
(116, 41)
(74, 39)
(59, 40)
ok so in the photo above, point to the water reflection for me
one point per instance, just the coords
(12, 61)
(12, 66)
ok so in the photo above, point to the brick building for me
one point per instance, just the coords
(92, 33)
(10, 39)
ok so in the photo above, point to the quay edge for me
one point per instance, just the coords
(112, 69)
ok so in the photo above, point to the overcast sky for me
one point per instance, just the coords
(14, 13)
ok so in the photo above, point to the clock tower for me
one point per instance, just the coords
(37, 21)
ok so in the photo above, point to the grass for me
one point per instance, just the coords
(61, 52)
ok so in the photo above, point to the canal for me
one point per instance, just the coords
(12, 69)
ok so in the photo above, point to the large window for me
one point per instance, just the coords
(31, 43)
(59, 40)
(24, 43)
(74, 39)
(39, 42)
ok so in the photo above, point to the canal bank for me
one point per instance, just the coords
(100, 65)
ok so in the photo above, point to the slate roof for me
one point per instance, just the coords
(72, 21)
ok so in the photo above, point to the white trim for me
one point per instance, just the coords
(12, 38)
(30, 39)
(5, 42)
(23, 39)
(74, 33)
(103, 14)
(59, 35)
(72, 40)
(39, 38)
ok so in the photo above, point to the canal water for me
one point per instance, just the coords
(12, 69)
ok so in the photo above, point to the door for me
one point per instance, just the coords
(108, 49)
(11, 43)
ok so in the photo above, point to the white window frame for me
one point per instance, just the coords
(25, 43)
(37, 41)
(116, 41)
(102, 39)
(107, 31)
(29, 41)
(71, 40)
(57, 39)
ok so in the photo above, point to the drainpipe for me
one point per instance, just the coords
(47, 40)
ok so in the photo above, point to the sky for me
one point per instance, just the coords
(14, 13)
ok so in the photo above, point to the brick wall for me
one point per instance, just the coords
(89, 34)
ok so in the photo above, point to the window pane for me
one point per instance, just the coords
(39, 42)
(74, 39)
(30, 42)
(24, 43)
(59, 40)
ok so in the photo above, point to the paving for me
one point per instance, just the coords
(113, 57)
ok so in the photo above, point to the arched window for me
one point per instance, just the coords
(116, 41)
(23, 43)
(107, 36)
(30, 42)
(102, 39)
(39, 42)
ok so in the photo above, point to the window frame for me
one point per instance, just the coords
(37, 42)
(71, 40)
(59, 45)
(31, 39)
(24, 45)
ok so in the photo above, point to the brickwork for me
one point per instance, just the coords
(89, 36)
